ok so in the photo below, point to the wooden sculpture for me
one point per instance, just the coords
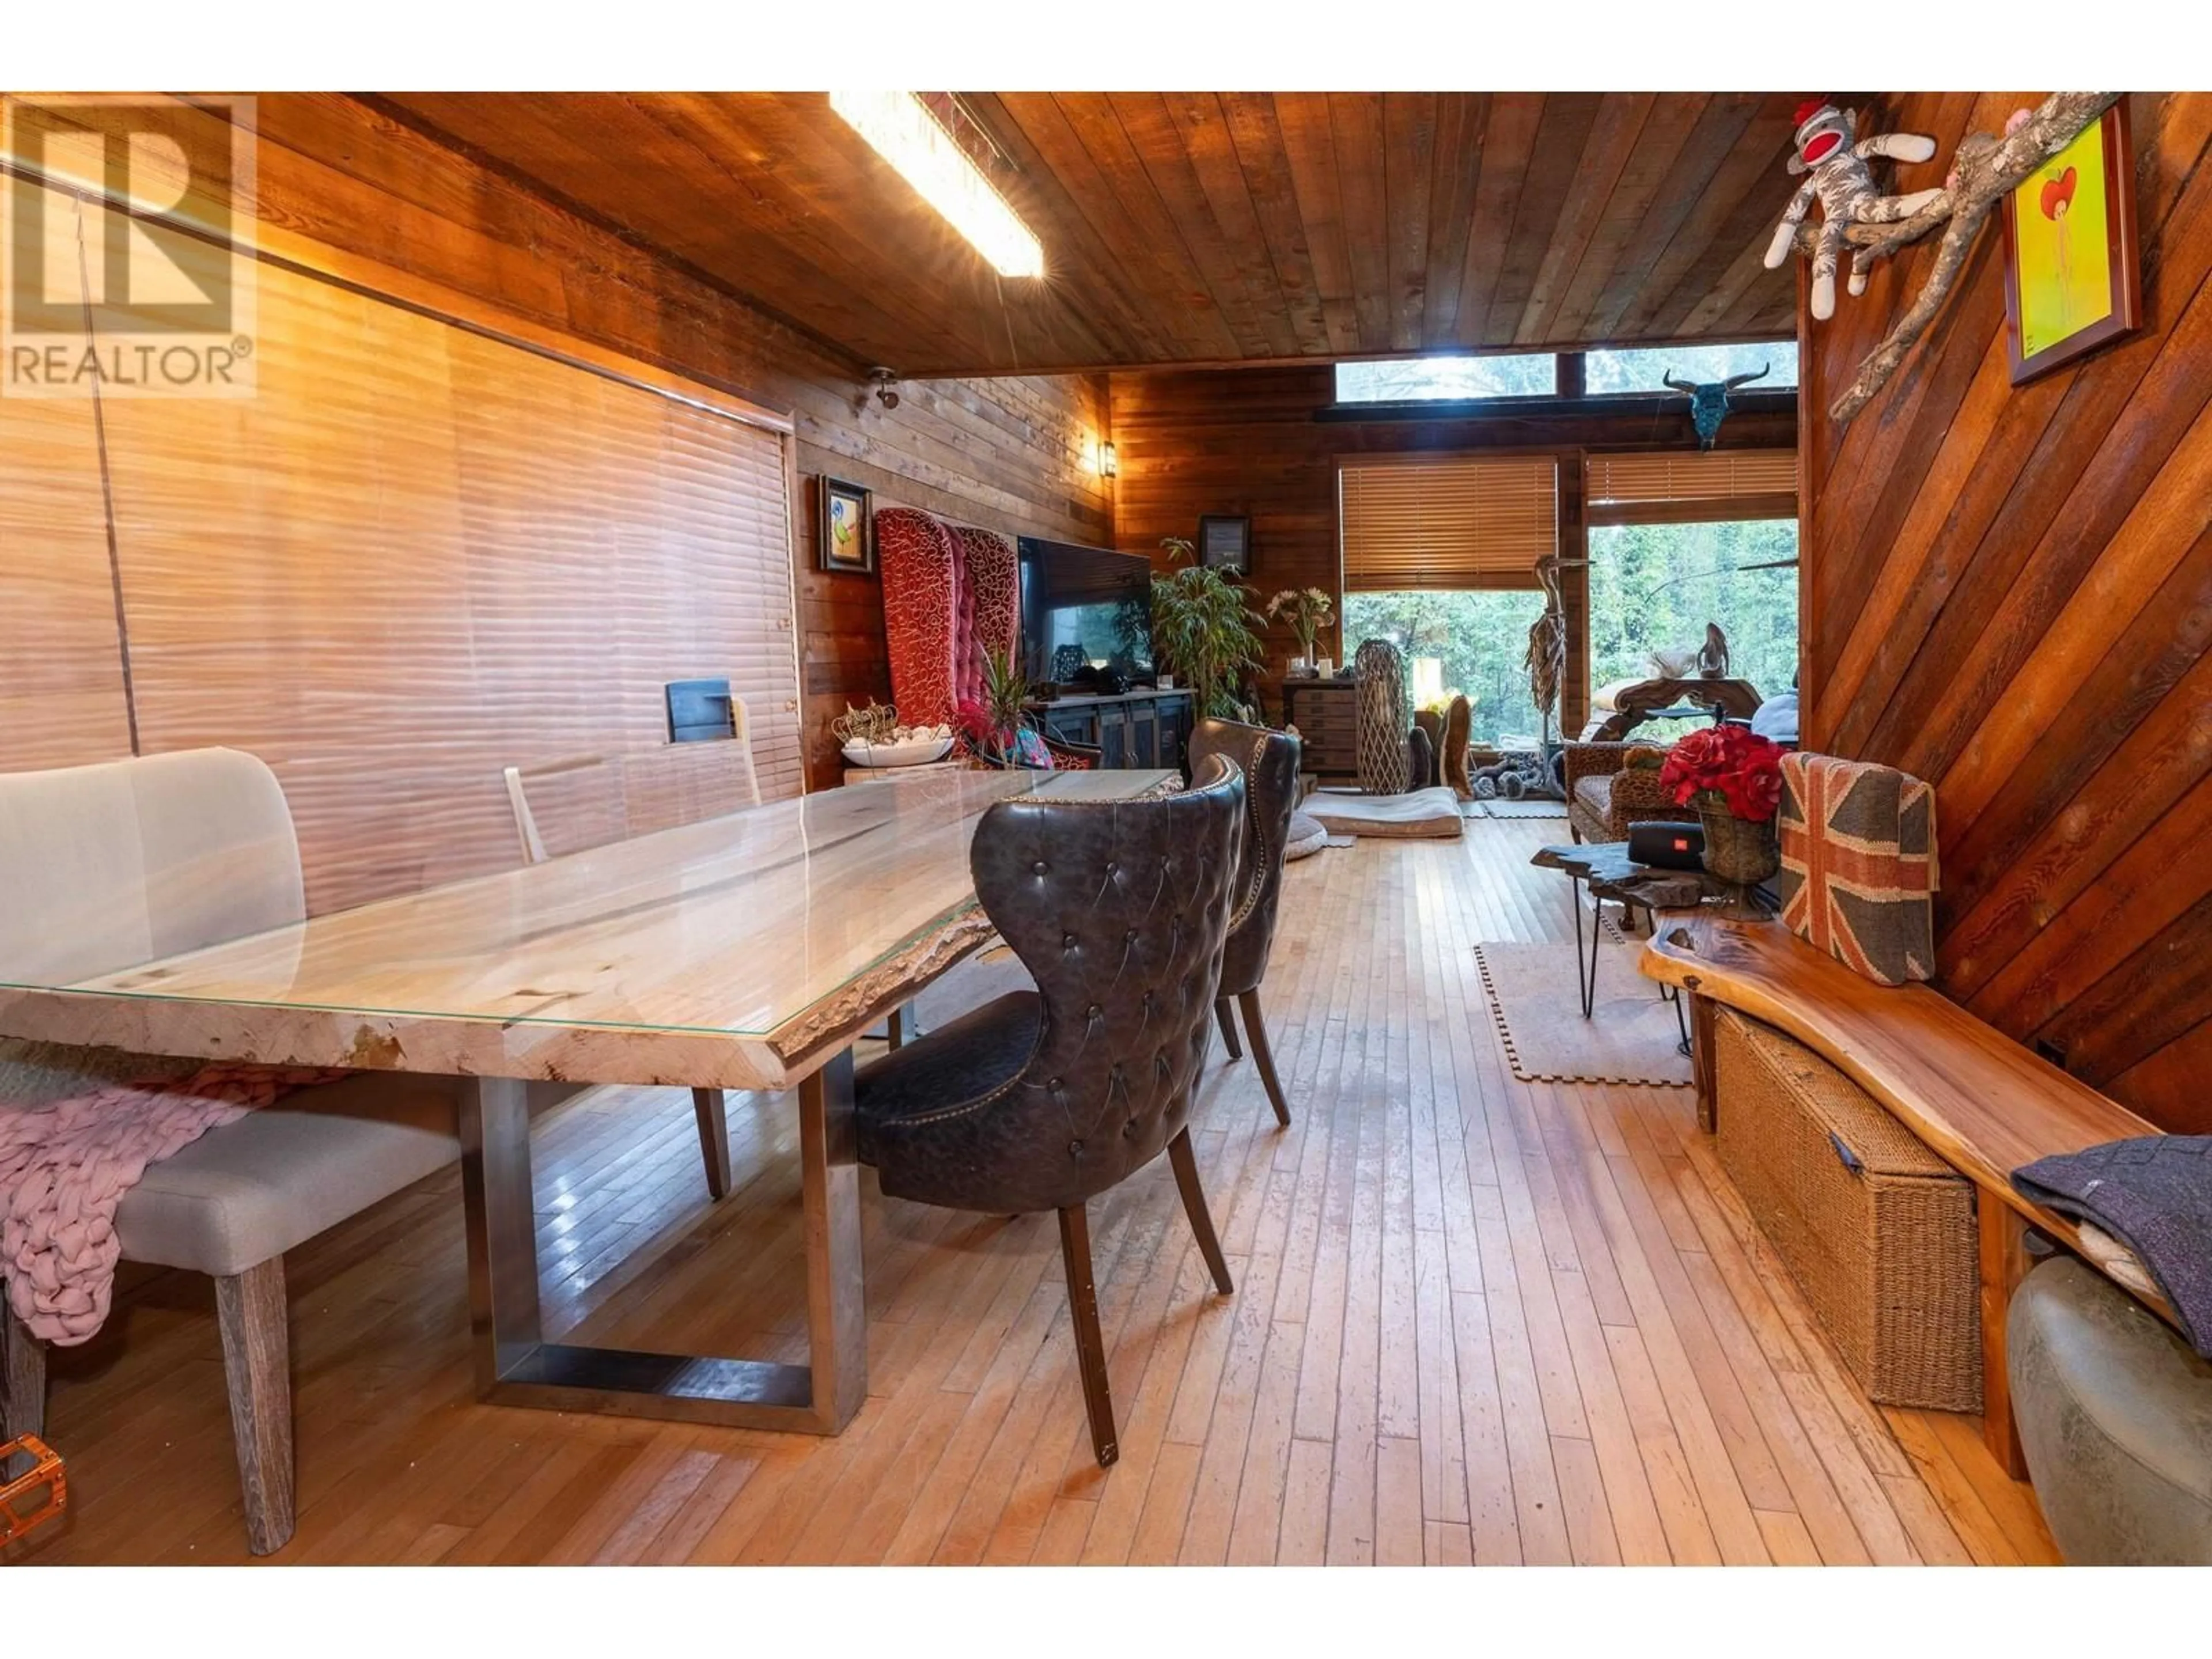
(1547, 658)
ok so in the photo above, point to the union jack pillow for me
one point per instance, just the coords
(1858, 864)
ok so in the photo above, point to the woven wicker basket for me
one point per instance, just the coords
(1878, 1231)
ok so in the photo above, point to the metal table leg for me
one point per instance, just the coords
(517, 1366)
(1588, 987)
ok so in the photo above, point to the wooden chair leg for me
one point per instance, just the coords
(1221, 1017)
(1262, 1056)
(707, 1105)
(901, 1026)
(1185, 1160)
(256, 1363)
(23, 1387)
(2004, 1263)
(1090, 1346)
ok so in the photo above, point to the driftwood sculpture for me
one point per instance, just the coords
(1983, 173)
(1830, 150)
(1708, 404)
(1547, 658)
(1713, 659)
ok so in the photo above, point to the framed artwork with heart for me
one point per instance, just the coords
(2072, 275)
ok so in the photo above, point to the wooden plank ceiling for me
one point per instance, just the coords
(1193, 228)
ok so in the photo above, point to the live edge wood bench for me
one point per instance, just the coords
(1982, 1102)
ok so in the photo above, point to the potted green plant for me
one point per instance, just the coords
(997, 730)
(1205, 632)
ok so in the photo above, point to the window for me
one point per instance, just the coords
(1447, 521)
(1440, 557)
(1456, 642)
(1655, 586)
(1643, 370)
(1409, 380)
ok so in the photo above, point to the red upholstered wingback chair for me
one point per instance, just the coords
(949, 595)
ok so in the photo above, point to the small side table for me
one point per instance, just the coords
(1612, 874)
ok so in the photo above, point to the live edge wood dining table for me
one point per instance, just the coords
(746, 951)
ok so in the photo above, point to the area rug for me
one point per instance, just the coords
(1423, 813)
(1630, 1037)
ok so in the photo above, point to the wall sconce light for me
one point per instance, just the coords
(1109, 461)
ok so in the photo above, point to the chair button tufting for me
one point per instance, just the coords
(1038, 866)
(1068, 941)
(1093, 1011)
(1075, 1149)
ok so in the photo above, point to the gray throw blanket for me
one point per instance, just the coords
(2154, 1195)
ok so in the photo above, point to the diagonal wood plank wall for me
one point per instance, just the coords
(2009, 591)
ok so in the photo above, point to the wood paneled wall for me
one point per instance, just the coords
(2009, 591)
(1245, 441)
(416, 554)
(1015, 455)
(1012, 454)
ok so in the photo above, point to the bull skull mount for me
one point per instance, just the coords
(1708, 404)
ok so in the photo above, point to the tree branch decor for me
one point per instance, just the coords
(1983, 173)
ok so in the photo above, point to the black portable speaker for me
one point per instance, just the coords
(1668, 846)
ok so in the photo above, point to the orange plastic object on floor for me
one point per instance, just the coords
(33, 1499)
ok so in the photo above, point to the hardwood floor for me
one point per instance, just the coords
(1475, 1320)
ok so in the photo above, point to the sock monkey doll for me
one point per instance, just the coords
(1828, 147)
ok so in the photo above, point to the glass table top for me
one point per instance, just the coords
(735, 926)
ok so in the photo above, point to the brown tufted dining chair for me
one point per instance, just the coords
(1044, 1099)
(1270, 761)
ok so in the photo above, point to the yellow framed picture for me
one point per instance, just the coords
(2071, 276)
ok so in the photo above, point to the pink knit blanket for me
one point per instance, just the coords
(64, 1168)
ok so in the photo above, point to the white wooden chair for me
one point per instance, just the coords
(590, 801)
(105, 867)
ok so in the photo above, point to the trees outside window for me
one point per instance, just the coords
(1656, 587)
(1643, 368)
(1651, 587)
(1480, 640)
(1521, 374)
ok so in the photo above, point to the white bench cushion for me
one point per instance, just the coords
(254, 1188)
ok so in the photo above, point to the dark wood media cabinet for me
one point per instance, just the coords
(1132, 729)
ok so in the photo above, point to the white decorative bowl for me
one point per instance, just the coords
(914, 751)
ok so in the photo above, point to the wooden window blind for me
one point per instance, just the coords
(1687, 486)
(1447, 522)
(419, 555)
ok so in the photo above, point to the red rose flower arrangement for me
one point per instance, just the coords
(1733, 762)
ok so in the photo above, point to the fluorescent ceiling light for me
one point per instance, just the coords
(905, 134)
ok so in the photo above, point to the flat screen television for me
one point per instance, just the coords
(1085, 607)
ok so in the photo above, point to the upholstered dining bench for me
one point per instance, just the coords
(105, 867)
(1982, 1102)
